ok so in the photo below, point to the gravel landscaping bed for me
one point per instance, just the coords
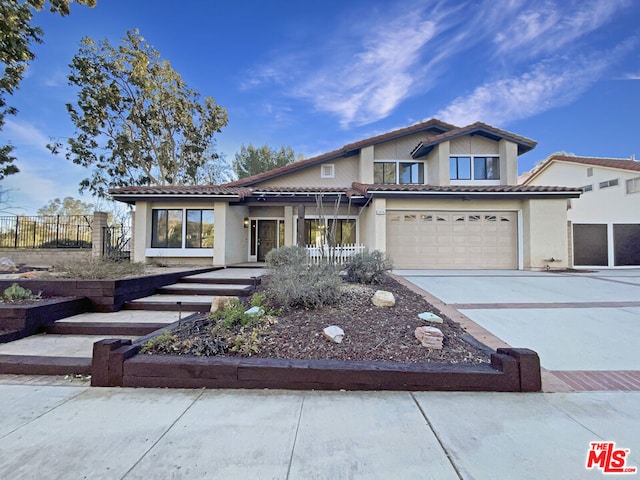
(371, 333)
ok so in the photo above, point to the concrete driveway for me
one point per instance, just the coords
(575, 321)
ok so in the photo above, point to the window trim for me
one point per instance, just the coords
(397, 171)
(331, 170)
(472, 179)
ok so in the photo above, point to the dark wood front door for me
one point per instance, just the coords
(267, 237)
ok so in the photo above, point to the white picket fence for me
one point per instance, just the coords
(338, 255)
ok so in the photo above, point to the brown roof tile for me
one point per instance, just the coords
(371, 188)
(344, 151)
(180, 190)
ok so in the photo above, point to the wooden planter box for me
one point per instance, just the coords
(19, 321)
(117, 363)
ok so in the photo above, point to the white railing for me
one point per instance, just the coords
(338, 255)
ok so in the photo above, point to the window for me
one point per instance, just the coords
(199, 229)
(318, 230)
(633, 185)
(167, 228)
(589, 171)
(587, 188)
(393, 172)
(474, 168)
(609, 183)
(327, 171)
(168, 232)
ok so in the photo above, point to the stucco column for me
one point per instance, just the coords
(98, 233)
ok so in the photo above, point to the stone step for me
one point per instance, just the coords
(104, 328)
(224, 290)
(159, 302)
(42, 365)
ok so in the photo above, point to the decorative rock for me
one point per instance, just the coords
(7, 265)
(333, 333)
(429, 317)
(254, 312)
(430, 337)
(383, 298)
(220, 303)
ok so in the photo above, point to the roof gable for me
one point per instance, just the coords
(625, 164)
(524, 144)
(434, 125)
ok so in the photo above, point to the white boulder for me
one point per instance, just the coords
(333, 333)
(383, 298)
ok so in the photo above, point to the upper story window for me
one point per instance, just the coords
(609, 183)
(170, 231)
(633, 185)
(327, 170)
(474, 168)
(392, 172)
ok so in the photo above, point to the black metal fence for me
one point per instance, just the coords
(116, 241)
(46, 231)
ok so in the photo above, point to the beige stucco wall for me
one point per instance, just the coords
(236, 236)
(399, 149)
(372, 225)
(508, 152)
(345, 171)
(607, 205)
(476, 145)
(545, 236)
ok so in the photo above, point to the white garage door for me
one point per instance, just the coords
(452, 240)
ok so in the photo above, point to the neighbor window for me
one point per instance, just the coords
(633, 185)
(170, 231)
(609, 183)
(474, 168)
(587, 188)
(327, 170)
(394, 172)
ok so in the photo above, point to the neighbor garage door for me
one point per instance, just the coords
(452, 240)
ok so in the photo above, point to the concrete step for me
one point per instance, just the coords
(223, 289)
(103, 328)
(174, 303)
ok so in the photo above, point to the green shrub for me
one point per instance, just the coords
(15, 292)
(368, 267)
(302, 285)
(287, 256)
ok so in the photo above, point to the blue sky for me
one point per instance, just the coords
(318, 75)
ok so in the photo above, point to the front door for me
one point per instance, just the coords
(267, 237)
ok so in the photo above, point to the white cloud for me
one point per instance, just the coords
(551, 26)
(546, 86)
(21, 133)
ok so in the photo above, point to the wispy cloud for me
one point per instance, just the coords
(21, 133)
(547, 85)
(551, 26)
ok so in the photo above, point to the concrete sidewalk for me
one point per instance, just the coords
(63, 432)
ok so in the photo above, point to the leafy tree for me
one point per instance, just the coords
(251, 160)
(17, 35)
(137, 123)
(67, 206)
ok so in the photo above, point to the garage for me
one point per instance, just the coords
(452, 240)
(606, 245)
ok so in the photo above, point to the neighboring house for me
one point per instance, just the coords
(605, 221)
(431, 195)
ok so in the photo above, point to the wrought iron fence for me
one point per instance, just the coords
(46, 231)
(116, 241)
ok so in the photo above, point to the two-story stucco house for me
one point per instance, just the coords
(431, 195)
(604, 222)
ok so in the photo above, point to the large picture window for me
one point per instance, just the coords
(320, 232)
(170, 230)
(393, 172)
(167, 228)
(199, 229)
(474, 168)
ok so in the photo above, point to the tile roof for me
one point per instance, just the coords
(619, 163)
(194, 190)
(524, 144)
(345, 151)
(365, 189)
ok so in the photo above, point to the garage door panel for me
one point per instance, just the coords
(431, 239)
